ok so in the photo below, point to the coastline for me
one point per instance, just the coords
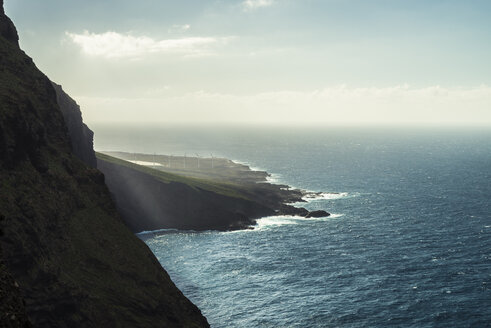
(206, 193)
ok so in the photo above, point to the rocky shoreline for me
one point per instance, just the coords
(191, 193)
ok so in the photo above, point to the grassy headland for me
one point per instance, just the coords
(177, 192)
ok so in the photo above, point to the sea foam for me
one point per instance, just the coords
(275, 221)
(313, 196)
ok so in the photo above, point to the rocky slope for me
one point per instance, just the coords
(82, 138)
(75, 262)
(12, 307)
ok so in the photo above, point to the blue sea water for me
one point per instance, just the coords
(409, 244)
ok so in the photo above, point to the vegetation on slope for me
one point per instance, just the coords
(219, 187)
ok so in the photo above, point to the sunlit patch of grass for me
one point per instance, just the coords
(223, 188)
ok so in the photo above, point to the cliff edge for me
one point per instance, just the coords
(82, 138)
(74, 261)
(7, 29)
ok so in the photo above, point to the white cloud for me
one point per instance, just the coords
(255, 4)
(116, 45)
(335, 105)
(179, 28)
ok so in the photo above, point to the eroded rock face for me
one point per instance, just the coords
(7, 28)
(82, 138)
(64, 244)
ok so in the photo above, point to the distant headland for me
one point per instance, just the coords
(194, 193)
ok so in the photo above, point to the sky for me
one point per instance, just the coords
(322, 62)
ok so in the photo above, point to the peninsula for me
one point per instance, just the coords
(193, 193)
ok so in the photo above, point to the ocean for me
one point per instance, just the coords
(408, 244)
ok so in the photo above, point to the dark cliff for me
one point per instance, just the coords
(82, 138)
(74, 261)
(12, 307)
(7, 28)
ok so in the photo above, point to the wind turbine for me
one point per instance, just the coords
(212, 161)
(198, 160)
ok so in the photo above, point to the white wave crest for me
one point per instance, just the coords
(313, 196)
(272, 221)
(275, 221)
(146, 232)
(273, 178)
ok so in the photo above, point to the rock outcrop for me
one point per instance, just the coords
(75, 262)
(318, 214)
(7, 28)
(82, 138)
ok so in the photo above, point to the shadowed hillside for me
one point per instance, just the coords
(75, 263)
(146, 202)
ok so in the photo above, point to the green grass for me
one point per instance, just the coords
(223, 188)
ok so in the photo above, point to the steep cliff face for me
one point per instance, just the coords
(7, 29)
(12, 309)
(76, 263)
(82, 138)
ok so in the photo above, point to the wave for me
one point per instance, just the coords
(274, 178)
(249, 165)
(334, 215)
(156, 231)
(275, 221)
(313, 196)
(261, 224)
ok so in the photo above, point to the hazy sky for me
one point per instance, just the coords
(268, 61)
